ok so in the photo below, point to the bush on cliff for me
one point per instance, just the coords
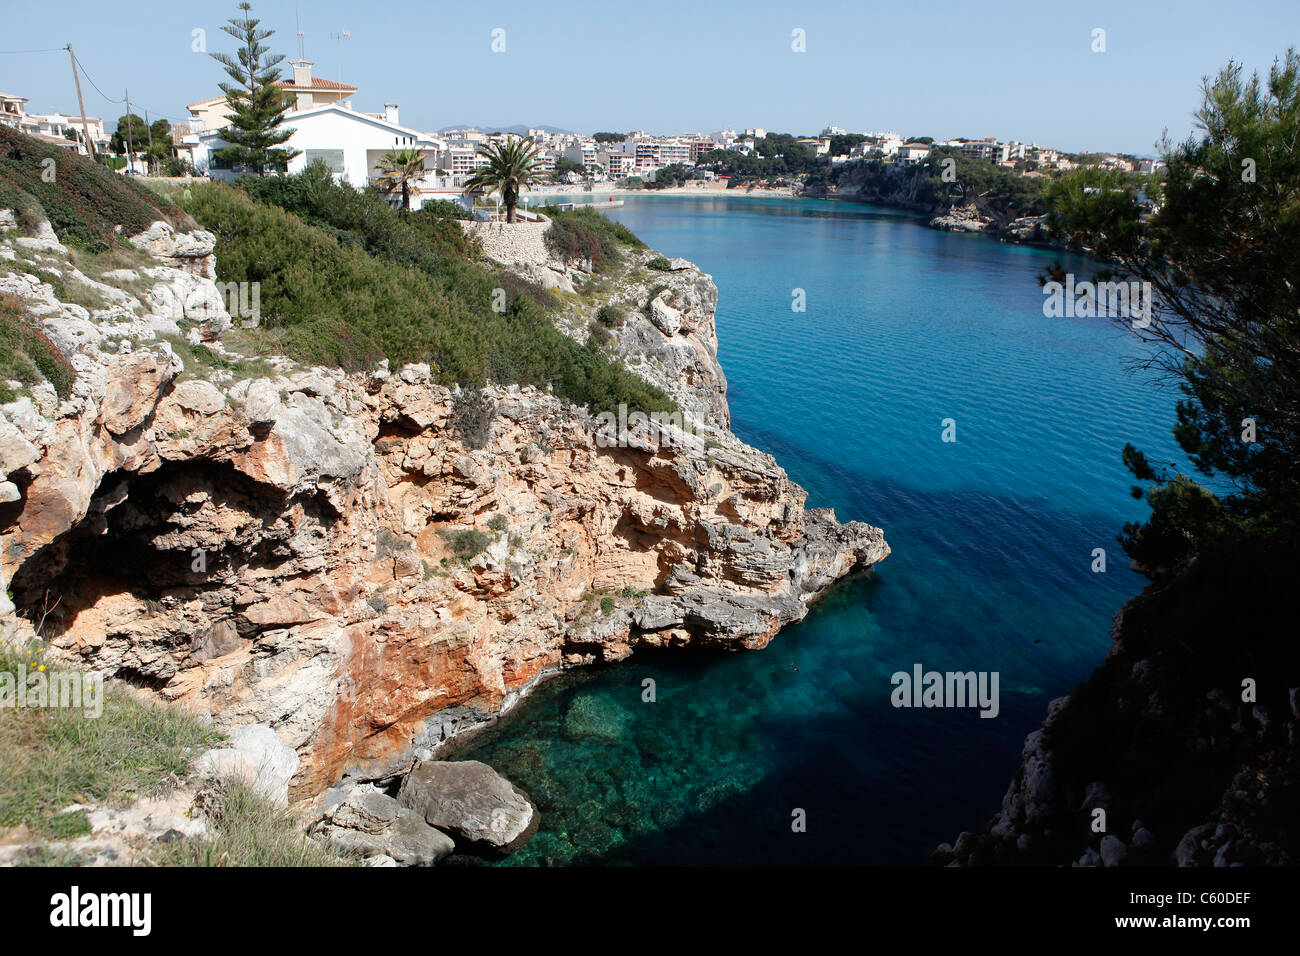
(584, 234)
(83, 201)
(26, 355)
(368, 282)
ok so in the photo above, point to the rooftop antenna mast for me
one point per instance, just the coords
(298, 18)
(340, 36)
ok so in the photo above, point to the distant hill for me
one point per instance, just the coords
(519, 128)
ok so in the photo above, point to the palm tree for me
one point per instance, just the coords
(510, 168)
(398, 170)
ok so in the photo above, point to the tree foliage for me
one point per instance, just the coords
(511, 167)
(256, 102)
(1219, 243)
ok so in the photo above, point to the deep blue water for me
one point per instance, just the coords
(991, 571)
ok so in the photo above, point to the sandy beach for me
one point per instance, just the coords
(784, 192)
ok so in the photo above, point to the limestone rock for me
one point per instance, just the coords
(369, 823)
(472, 802)
(254, 756)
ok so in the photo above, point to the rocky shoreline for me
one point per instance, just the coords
(325, 555)
(1181, 749)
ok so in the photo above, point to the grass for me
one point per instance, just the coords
(72, 291)
(51, 758)
(245, 829)
(55, 757)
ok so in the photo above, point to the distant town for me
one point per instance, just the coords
(351, 142)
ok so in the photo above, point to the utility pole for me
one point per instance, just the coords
(85, 127)
(150, 151)
(130, 153)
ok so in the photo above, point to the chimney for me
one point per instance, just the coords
(302, 82)
(302, 72)
(390, 113)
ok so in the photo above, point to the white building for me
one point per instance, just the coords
(585, 153)
(911, 153)
(350, 143)
(988, 148)
(12, 109)
(64, 130)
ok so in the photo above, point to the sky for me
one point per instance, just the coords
(944, 68)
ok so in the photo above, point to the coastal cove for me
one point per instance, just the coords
(993, 538)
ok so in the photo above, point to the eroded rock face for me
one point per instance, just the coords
(290, 550)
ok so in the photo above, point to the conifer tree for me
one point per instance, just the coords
(257, 103)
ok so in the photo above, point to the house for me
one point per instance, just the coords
(911, 153)
(349, 142)
(65, 130)
(307, 91)
(12, 109)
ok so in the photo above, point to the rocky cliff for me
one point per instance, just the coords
(1182, 747)
(335, 557)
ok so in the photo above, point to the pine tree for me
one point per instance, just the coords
(257, 104)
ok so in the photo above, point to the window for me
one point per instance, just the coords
(332, 158)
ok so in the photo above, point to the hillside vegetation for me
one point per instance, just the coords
(83, 201)
(347, 280)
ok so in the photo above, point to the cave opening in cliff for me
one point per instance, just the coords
(148, 544)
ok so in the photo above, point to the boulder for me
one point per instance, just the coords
(1113, 850)
(472, 802)
(369, 823)
(255, 756)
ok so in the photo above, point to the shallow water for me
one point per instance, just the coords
(992, 535)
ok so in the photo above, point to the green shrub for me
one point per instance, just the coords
(84, 202)
(606, 604)
(572, 241)
(467, 544)
(443, 209)
(660, 263)
(598, 336)
(26, 354)
(472, 414)
(498, 523)
(609, 316)
(358, 281)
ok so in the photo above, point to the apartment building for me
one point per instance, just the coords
(620, 164)
(988, 148)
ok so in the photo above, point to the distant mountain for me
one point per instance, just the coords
(516, 128)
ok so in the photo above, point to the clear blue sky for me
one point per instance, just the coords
(1015, 70)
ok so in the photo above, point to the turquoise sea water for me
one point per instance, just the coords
(991, 571)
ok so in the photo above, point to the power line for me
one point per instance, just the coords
(62, 49)
(81, 66)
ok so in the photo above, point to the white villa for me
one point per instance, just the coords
(325, 127)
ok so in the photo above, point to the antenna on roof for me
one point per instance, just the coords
(340, 36)
(298, 18)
